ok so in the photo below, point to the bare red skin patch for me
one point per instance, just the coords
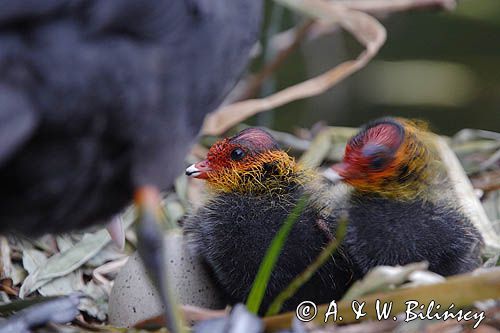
(390, 157)
(255, 139)
(251, 140)
(355, 161)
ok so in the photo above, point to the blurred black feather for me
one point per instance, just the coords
(98, 98)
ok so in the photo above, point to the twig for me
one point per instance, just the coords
(465, 289)
(195, 313)
(391, 6)
(255, 82)
(351, 17)
(491, 161)
(487, 181)
(283, 39)
(109, 267)
(366, 29)
(190, 313)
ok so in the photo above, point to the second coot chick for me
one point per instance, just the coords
(398, 204)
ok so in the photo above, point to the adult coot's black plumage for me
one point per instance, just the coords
(101, 98)
(98, 98)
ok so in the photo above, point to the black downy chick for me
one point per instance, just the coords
(253, 187)
(397, 204)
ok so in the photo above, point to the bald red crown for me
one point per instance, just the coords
(373, 150)
(391, 157)
(246, 143)
(255, 139)
(249, 162)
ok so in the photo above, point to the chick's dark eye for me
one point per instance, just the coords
(377, 156)
(237, 154)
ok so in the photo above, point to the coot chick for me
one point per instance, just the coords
(398, 204)
(253, 187)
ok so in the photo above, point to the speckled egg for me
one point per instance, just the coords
(133, 297)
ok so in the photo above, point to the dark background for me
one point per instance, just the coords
(443, 67)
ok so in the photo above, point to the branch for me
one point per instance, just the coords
(351, 16)
(367, 30)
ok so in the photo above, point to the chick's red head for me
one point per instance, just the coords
(250, 161)
(389, 156)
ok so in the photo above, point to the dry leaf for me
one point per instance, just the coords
(366, 29)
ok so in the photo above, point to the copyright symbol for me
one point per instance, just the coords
(306, 311)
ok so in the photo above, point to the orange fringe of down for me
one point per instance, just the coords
(251, 175)
(418, 153)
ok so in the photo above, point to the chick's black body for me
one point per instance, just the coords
(382, 231)
(401, 207)
(232, 232)
(98, 98)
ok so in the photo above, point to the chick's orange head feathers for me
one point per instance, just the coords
(390, 157)
(250, 161)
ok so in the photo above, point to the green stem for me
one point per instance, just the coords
(303, 277)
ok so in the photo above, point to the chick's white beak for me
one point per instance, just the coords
(332, 175)
(192, 171)
(199, 170)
